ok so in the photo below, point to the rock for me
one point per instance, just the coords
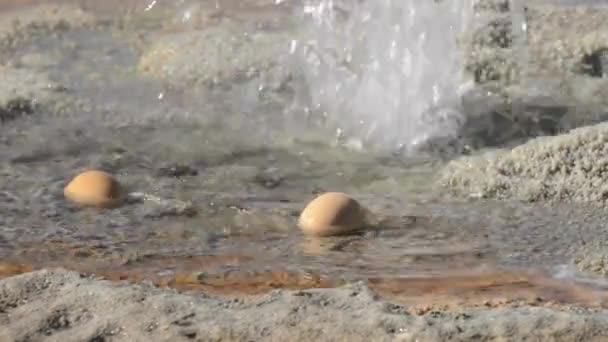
(26, 91)
(332, 213)
(543, 83)
(562, 36)
(568, 167)
(176, 170)
(15, 108)
(225, 52)
(491, 5)
(19, 24)
(562, 56)
(269, 178)
(591, 257)
(559, 39)
(593, 264)
(94, 189)
(26, 85)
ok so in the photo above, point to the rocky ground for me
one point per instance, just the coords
(508, 243)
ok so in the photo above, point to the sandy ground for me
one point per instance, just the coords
(148, 98)
(564, 167)
(64, 306)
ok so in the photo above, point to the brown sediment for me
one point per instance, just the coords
(97, 259)
(253, 284)
(239, 276)
(200, 274)
(8, 270)
(207, 274)
(504, 289)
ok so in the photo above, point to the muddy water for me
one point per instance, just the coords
(223, 183)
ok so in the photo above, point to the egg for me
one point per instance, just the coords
(94, 189)
(332, 213)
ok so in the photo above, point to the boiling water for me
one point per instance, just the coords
(380, 74)
(386, 74)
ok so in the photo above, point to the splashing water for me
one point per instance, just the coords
(386, 74)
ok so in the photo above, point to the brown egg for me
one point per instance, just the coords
(332, 213)
(94, 189)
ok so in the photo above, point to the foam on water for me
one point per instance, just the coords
(388, 73)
